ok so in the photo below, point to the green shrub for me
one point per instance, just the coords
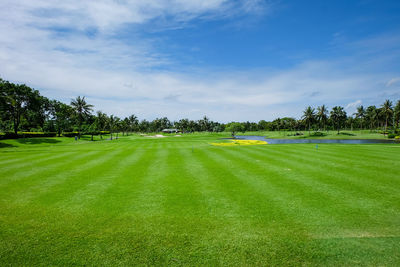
(318, 134)
(70, 134)
(12, 135)
(391, 135)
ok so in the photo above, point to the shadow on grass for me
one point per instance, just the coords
(3, 145)
(37, 141)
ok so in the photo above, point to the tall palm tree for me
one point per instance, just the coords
(360, 114)
(309, 117)
(386, 110)
(372, 115)
(397, 114)
(101, 122)
(111, 125)
(82, 111)
(133, 122)
(338, 116)
(322, 115)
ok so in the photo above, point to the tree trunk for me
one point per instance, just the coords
(386, 125)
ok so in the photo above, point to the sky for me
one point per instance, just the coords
(241, 60)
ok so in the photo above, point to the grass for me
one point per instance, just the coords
(181, 201)
(356, 134)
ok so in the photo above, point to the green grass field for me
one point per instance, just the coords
(356, 134)
(180, 201)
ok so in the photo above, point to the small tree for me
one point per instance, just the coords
(234, 127)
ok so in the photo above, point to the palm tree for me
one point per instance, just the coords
(338, 116)
(111, 124)
(322, 115)
(101, 122)
(386, 111)
(82, 110)
(133, 122)
(371, 115)
(360, 114)
(397, 114)
(309, 117)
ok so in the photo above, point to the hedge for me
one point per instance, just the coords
(73, 134)
(12, 135)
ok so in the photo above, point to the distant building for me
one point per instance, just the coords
(171, 131)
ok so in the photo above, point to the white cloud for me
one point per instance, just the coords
(393, 81)
(121, 78)
(351, 107)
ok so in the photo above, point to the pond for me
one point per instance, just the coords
(317, 141)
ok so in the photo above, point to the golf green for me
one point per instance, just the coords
(182, 201)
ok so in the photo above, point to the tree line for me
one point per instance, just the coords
(24, 109)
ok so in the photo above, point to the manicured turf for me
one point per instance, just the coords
(182, 201)
(345, 134)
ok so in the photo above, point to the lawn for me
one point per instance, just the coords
(345, 134)
(182, 201)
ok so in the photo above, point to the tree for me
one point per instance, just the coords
(112, 121)
(234, 127)
(61, 114)
(322, 115)
(309, 117)
(19, 103)
(82, 111)
(386, 110)
(338, 117)
(133, 123)
(101, 122)
(371, 116)
(360, 114)
(204, 124)
(397, 114)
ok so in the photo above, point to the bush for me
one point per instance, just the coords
(70, 134)
(12, 135)
(318, 134)
(391, 135)
(73, 134)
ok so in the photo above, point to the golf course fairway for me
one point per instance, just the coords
(182, 201)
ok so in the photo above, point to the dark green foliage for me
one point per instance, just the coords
(12, 135)
(338, 117)
(318, 134)
(70, 134)
(24, 109)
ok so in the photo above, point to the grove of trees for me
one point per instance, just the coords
(23, 109)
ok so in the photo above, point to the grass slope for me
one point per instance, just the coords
(148, 201)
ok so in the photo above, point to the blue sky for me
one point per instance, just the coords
(230, 60)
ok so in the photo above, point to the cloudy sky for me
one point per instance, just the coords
(230, 60)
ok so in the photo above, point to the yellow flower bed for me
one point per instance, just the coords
(241, 143)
